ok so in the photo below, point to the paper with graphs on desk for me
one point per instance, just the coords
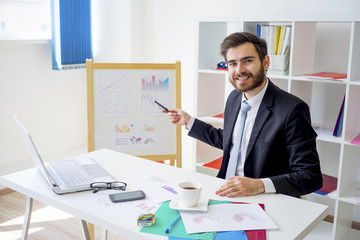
(227, 217)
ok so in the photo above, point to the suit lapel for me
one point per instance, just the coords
(262, 115)
(232, 120)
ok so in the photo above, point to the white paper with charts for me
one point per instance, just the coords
(158, 188)
(227, 217)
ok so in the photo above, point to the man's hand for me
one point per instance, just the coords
(178, 117)
(241, 186)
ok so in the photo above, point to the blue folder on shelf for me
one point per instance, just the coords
(339, 121)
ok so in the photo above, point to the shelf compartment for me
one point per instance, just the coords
(350, 173)
(348, 195)
(329, 154)
(211, 34)
(343, 221)
(324, 100)
(282, 83)
(352, 127)
(206, 153)
(317, 50)
(354, 56)
(212, 100)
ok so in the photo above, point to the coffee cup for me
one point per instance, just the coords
(189, 193)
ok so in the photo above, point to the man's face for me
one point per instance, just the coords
(246, 71)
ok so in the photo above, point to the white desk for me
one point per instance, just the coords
(294, 217)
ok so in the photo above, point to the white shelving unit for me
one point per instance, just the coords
(315, 47)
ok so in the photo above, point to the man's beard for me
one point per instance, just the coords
(257, 80)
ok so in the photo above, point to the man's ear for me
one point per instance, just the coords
(266, 62)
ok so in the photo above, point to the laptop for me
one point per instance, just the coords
(68, 175)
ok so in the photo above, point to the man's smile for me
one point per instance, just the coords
(242, 79)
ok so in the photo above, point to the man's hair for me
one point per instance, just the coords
(239, 38)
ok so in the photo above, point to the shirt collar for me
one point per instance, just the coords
(255, 101)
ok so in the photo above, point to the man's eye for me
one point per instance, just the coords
(232, 64)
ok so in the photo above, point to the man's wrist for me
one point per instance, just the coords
(187, 119)
(261, 186)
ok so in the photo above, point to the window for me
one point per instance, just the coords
(25, 19)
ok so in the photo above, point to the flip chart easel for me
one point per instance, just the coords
(122, 115)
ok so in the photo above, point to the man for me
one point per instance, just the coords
(277, 151)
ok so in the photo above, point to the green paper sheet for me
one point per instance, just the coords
(165, 215)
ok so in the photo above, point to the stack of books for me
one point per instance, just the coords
(278, 38)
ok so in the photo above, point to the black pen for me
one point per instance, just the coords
(167, 110)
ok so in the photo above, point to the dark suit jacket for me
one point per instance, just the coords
(282, 144)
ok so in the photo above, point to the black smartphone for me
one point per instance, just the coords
(163, 107)
(127, 196)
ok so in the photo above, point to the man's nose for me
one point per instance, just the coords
(239, 68)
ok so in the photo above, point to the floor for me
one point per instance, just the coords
(46, 222)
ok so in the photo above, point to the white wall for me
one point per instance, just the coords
(117, 30)
(52, 104)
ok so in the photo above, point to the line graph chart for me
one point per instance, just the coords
(113, 90)
(113, 82)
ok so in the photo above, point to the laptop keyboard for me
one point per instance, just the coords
(71, 173)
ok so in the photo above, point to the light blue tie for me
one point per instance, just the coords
(236, 149)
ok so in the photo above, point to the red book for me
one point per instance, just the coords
(329, 183)
(327, 75)
(255, 234)
(214, 164)
(221, 115)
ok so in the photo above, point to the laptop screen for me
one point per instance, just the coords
(34, 153)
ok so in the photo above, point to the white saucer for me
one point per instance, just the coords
(202, 205)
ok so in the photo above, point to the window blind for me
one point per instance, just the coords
(71, 34)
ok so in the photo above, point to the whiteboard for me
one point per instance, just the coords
(122, 115)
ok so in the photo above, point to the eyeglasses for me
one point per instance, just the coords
(97, 186)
